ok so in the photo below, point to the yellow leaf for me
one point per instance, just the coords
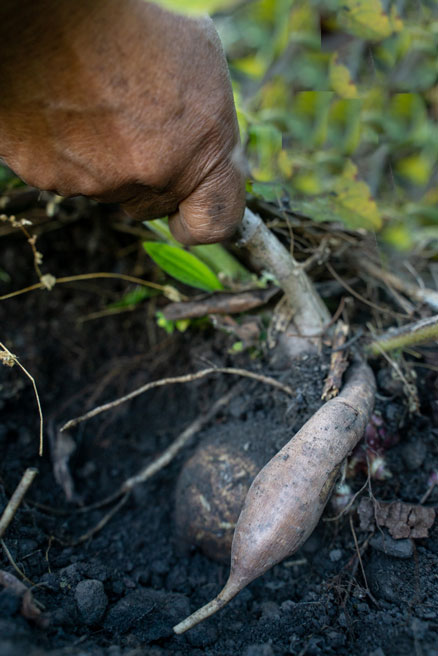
(398, 235)
(285, 164)
(254, 65)
(274, 94)
(340, 79)
(304, 22)
(374, 100)
(307, 183)
(368, 20)
(416, 168)
(354, 202)
(195, 6)
(265, 142)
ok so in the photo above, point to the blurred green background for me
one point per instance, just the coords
(338, 108)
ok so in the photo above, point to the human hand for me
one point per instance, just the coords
(124, 102)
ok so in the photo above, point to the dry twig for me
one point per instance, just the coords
(419, 294)
(168, 291)
(338, 362)
(10, 359)
(219, 303)
(187, 378)
(17, 498)
(14, 564)
(150, 470)
(362, 299)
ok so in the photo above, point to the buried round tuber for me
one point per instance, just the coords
(287, 497)
(210, 494)
(214, 482)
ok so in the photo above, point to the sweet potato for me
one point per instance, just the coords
(288, 495)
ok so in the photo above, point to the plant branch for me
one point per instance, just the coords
(310, 313)
(425, 330)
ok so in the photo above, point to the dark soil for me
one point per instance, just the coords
(121, 591)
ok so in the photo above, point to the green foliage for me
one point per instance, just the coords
(169, 326)
(215, 256)
(134, 297)
(182, 265)
(8, 179)
(338, 108)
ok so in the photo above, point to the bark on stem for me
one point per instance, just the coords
(425, 330)
(310, 314)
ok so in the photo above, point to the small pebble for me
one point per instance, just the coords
(414, 454)
(270, 610)
(335, 555)
(259, 650)
(91, 600)
(397, 548)
(70, 575)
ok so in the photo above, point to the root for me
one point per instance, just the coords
(188, 378)
(150, 470)
(16, 499)
(293, 488)
(9, 359)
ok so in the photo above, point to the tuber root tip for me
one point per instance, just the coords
(209, 609)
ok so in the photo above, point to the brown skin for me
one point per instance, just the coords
(287, 497)
(209, 496)
(124, 102)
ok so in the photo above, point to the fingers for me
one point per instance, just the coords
(214, 209)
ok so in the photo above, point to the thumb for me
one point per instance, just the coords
(214, 209)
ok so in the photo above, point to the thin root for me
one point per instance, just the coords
(13, 358)
(17, 498)
(168, 455)
(187, 378)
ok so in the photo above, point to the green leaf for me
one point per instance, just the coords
(350, 201)
(269, 191)
(166, 324)
(215, 256)
(161, 228)
(221, 261)
(265, 142)
(134, 297)
(183, 266)
(196, 6)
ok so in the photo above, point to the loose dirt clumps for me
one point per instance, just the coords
(120, 592)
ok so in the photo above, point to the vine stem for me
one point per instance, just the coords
(411, 334)
(310, 314)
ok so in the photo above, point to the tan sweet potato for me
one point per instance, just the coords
(289, 494)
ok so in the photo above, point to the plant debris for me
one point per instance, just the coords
(403, 520)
